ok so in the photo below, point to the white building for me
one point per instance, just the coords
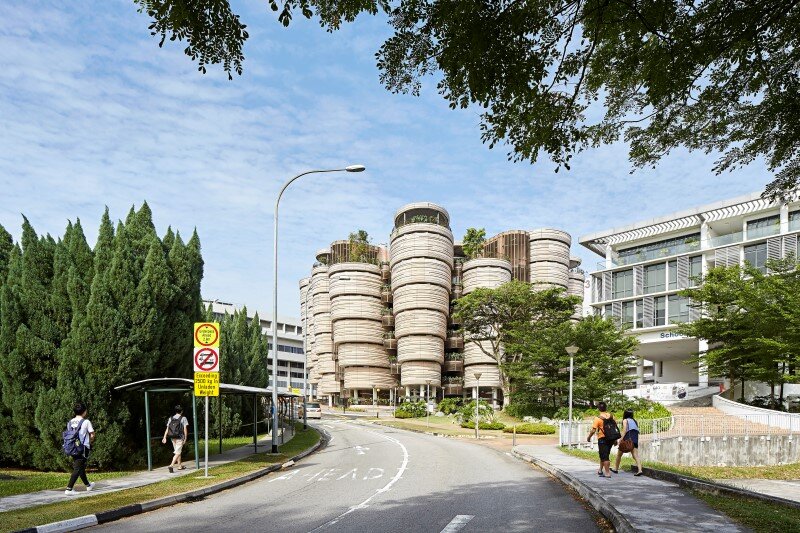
(645, 264)
(291, 358)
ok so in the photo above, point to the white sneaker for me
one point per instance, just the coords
(90, 487)
(69, 492)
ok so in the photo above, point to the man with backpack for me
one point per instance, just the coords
(178, 431)
(607, 434)
(78, 439)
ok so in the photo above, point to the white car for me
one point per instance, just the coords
(313, 410)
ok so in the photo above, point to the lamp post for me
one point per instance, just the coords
(428, 405)
(477, 400)
(305, 363)
(571, 350)
(377, 403)
(351, 168)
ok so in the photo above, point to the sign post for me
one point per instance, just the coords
(206, 366)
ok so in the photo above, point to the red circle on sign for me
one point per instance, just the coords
(207, 359)
(216, 334)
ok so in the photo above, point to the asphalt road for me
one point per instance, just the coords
(377, 479)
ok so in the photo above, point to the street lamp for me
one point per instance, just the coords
(428, 405)
(351, 168)
(377, 403)
(477, 400)
(305, 363)
(571, 350)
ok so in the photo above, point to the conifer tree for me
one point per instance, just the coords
(10, 319)
(6, 246)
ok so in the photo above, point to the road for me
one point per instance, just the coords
(372, 478)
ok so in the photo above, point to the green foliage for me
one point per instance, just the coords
(449, 405)
(711, 76)
(472, 243)
(467, 412)
(532, 429)
(76, 322)
(523, 405)
(483, 425)
(748, 319)
(359, 248)
(409, 409)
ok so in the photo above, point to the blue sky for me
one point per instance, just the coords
(94, 114)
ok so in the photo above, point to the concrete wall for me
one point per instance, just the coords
(678, 371)
(723, 451)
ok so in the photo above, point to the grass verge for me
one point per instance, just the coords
(788, 472)
(73, 508)
(761, 517)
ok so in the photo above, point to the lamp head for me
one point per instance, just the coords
(572, 350)
(477, 375)
(355, 168)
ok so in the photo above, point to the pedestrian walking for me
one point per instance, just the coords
(628, 442)
(607, 434)
(177, 431)
(78, 439)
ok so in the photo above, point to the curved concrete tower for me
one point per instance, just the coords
(550, 258)
(323, 342)
(489, 273)
(421, 261)
(576, 281)
(355, 292)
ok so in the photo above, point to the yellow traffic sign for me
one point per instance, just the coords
(295, 391)
(206, 383)
(206, 334)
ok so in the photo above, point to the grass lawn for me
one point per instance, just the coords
(73, 508)
(228, 443)
(761, 517)
(790, 471)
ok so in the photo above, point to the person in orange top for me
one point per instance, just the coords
(603, 444)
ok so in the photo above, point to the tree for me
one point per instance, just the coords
(710, 76)
(6, 246)
(499, 320)
(472, 243)
(604, 355)
(750, 320)
(359, 247)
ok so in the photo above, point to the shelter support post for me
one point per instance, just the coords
(147, 431)
(255, 423)
(219, 421)
(194, 426)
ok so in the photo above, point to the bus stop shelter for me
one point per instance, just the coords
(183, 385)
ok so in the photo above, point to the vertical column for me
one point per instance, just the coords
(702, 369)
(374, 396)
(609, 256)
(784, 218)
(639, 372)
(704, 237)
(494, 397)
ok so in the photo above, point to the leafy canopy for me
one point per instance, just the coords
(472, 243)
(713, 75)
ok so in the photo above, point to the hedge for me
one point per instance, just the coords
(532, 429)
(484, 425)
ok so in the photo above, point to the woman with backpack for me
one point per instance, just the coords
(629, 441)
(178, 431)
(607, 434)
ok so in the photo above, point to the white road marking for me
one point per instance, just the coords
(381, 490)
(361, 450)
(371, 473)
(353, 472)
(289, 475)
(457, 523)
(327, 426)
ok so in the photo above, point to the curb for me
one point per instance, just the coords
(111, 515)
(594, 498)
(435, 434)
(711, 487)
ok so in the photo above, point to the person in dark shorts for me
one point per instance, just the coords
(630, 431)
(603, 444)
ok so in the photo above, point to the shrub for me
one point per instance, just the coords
(410, 409)
(532, 429)
(467, 412)
(484, 425)
(450, 405)
(520, 409)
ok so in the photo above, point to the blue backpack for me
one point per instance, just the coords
(73, 447)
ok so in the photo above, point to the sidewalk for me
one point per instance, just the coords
(779, 488)
(647, 504)
(32, 499)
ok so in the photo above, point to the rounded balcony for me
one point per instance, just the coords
(485, 272)
(420, 348)
(420, 322)
(420, 372)
(421, 212)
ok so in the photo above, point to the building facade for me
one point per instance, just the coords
(380, 326)
(291, 357)
(645, 265)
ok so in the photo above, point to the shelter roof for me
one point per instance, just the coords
(188, 384)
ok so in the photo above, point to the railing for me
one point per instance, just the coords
(722, 240)
(786, 421)
(773, 423)
(763, 231)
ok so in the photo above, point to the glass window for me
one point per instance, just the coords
(695, 269)
(756, 255)
(622, 284)
(673, 275)
(660, 311)
(639, 313)
(678, 309)
(654, 278)
(655, 250)
(607, 311)
(794, 220)
(627, 314)
(763, 227)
